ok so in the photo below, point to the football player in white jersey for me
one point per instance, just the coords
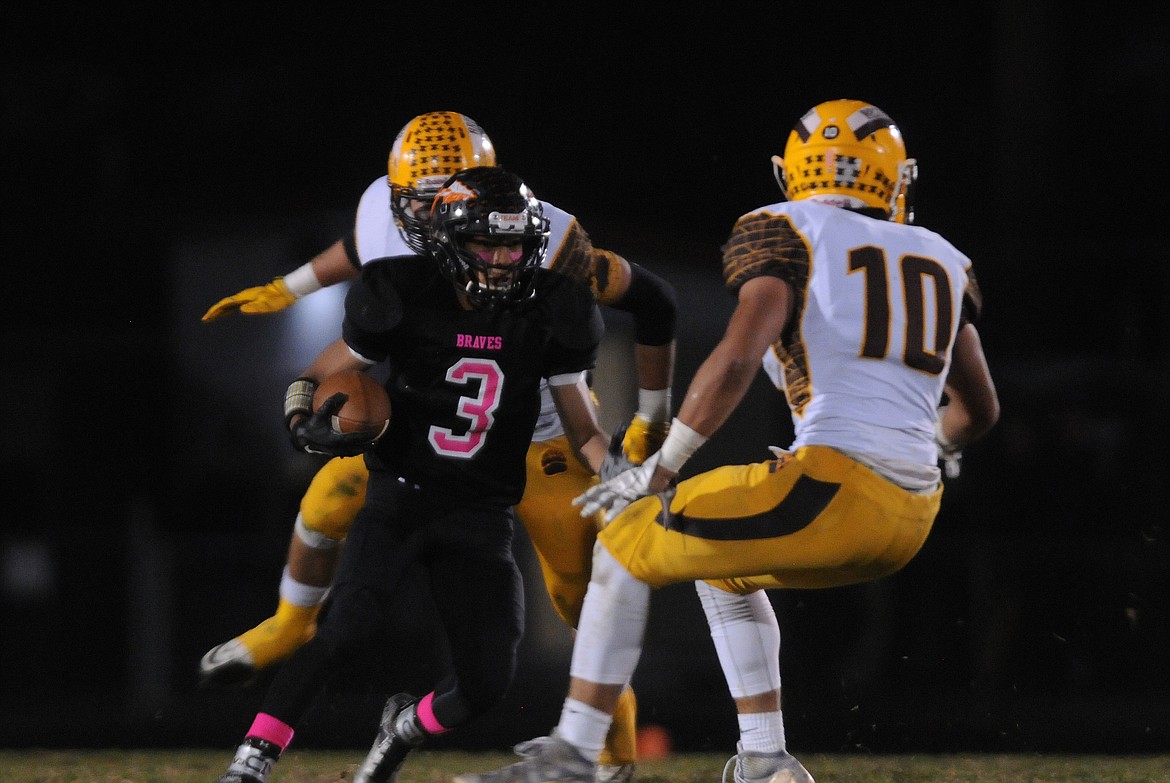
(427, 150)
(865, 321)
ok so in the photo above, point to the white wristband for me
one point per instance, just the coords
(681, 442)
(302, 281)
(654, 404)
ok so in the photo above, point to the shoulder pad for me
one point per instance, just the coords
(373, 303)
(572, 313)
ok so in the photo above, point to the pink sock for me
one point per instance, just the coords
(268, 728)
(426, 715)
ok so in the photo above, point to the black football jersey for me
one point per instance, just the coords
(464, 384)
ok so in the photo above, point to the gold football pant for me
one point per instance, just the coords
(562, 539)
(812, 520)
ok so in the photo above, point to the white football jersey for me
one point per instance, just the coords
(878, 305)
(376, 235)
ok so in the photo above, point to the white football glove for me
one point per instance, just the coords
(614, 495)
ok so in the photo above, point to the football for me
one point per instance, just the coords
(367, 406)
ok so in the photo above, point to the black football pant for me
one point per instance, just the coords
(466, 552)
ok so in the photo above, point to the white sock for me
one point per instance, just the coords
(584, 728)
(299, 593)
(762, 732)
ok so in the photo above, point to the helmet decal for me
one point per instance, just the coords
(807, 125)
(867, 120)
(508, 222)
(456, 191)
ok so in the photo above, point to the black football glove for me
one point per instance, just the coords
(316, 434)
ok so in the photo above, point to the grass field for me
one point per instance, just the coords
(204, 766)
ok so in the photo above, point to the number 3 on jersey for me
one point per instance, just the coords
(479, 410)
(917, 275)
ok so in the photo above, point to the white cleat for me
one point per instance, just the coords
(754, 767)
(229, 663)
(614, 773)
(545, 760)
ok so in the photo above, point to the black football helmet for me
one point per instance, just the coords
(489, 205)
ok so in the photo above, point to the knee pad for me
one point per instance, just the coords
(334, 497)
(613, 623)
(747, 639)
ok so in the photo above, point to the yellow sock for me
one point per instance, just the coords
(621, 743)
(279, 636)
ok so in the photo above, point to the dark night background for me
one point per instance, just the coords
(154, 161)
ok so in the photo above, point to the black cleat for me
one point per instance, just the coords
(398, 734)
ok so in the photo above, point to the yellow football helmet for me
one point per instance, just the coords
(849, 154)
(427, 151)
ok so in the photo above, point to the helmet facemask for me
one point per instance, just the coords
(411, 209)
(902, 204)
(477, 213)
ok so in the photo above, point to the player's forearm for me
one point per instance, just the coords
(333, 265)
(592, 452)
(579, 418)
(654, 365)
(718, 387)
(334, 358)
(960, 424)
(724, 377)
(973, 407)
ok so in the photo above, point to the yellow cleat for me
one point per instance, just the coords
(237, 661)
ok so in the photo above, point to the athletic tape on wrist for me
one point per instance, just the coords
(302, 281)
(654, 404)
(680, 444)
(298, 398)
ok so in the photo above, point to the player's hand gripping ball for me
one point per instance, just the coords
(350, 412)
(366, 407)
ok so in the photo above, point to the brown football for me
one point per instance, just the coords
(368, 406)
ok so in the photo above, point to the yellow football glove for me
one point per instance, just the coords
(259, 299)
(643, 438)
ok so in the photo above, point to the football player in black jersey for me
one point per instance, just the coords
(427, 150)
(469, 332)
